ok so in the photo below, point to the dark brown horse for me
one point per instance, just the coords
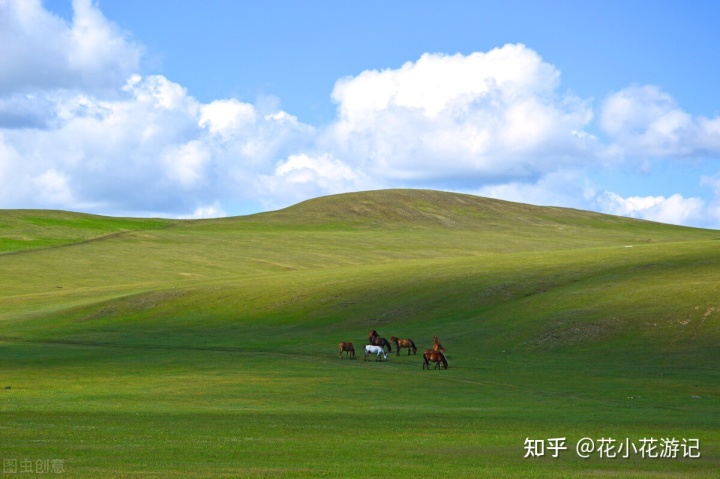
(348, 348)
(404, 343)
(437, 346)
(436, 357)
(372, 336)
(382, 342)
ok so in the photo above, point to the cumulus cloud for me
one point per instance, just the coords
(226, 117)
(674, 209)
(567, 188)
(303, 176)
(479, 116)
(82, 128)
(41, 51)
(53, 187)
(205, 212)
(644, 120)
(153, 149)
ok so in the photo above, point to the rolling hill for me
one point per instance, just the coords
(557, 321)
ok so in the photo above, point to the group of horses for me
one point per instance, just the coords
(377, 347)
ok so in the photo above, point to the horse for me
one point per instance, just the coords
(371, 348)
(436, 357)
(437, 346)
(404, 343)
(382, 342)
(372, 336)
(348, 348)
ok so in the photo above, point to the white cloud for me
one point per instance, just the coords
(644, 120)
(82, 129)
(226, 117)
(437, 82)
(305, 169)
(205, 212)
(674, 209)
(42, 52)
(186, 163)
(302, 176)
(154, 148)
(567, 188)
(53, 187)
(457, 117)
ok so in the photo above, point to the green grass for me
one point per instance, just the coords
(208, 348)
(33, 229)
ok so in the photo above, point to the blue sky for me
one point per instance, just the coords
(182, 109)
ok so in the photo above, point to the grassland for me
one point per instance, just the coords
(153, 348)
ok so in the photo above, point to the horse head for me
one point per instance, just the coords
(443, 359)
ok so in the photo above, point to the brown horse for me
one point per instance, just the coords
(436, 357)
(437, 346)
(348, 348)
(382, 342)
(404, 343)
(372, 336)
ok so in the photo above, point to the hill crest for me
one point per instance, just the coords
(435, 209)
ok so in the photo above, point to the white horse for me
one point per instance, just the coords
(378, 350)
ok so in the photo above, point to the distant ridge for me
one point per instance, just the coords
(499, 221)
(430, 208)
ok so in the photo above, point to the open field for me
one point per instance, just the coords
(154, 348)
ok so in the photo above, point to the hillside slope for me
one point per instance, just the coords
(436, 209)
(436, 254)
(209, 348)
(33, 229)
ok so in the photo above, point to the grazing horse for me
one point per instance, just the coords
(437, 346)
(436, 357)
(348, 348)
(372, 349)
(382, 342)
(404, 343)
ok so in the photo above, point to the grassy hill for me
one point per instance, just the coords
(208, 348)
(33, 229)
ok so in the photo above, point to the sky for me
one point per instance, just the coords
(204, 109)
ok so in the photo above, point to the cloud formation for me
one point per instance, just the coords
(456, 118)
(82, 129)
(41, 52)
(674, 209)
(645, 121)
